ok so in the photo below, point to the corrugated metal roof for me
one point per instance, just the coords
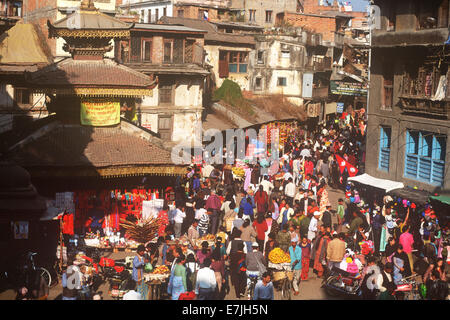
(165, 27)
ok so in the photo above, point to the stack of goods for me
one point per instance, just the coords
(238, 172)
(161, 270)
(143, 231)
(279, 256)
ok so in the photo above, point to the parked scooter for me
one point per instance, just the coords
(340, 282)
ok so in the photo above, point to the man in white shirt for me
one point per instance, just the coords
(206, 282)
(296, 171)
(313, 226)
(180, 214)
(289, 191)
(267, 185)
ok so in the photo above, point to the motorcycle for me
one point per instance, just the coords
(340, 282)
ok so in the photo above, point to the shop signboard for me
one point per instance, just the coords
(100, 113)
(340, 107)
(348, 88)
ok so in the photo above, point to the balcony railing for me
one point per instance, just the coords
(320, 92)
(316, 63)
(425, 105)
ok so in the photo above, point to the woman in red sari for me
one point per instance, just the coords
(163, 217)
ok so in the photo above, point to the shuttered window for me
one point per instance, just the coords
(165, 89)
(425, 157)
(146, 50)
(385, 148)
(135, 49)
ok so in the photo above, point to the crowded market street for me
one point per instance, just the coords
(206, 154)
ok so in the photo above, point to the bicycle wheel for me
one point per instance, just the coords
(46, 275)
(286, 289)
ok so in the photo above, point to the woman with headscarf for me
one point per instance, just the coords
(218, 266)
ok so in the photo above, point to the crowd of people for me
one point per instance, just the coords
(290, 210)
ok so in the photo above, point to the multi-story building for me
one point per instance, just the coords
(409, 108)
(10, 12)
(211, 10)
(175, 55)
(283, 61)
(147, 11)
(263, 13)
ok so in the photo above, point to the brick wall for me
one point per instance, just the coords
(38, 12)
(157, 50)
(312, 6)
(191, 12)
(324, 25)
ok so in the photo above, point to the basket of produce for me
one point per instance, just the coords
(278, 276)
(278, 256)
(238, 172)
(160, 273)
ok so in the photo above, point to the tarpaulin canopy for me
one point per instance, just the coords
(383, 184)
(419, 197)
(442, 198)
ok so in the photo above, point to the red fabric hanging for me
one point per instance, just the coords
(68, 223)
(341, 163)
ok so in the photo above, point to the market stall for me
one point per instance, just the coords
(373, 189)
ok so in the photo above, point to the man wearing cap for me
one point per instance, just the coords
(255, 263)
(312, 229)
(295, 253)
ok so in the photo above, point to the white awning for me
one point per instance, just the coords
(386, 185)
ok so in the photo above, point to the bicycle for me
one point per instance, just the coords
(251, 289)
(286, 287)
(44, 273)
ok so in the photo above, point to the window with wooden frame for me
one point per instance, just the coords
(388, 87)
(168, 50)
(252, 15)
(203, 14)
(22, 96)
(142, 18)
(147, 50)
(135, 49)
(149, 17)
(156, 14)
(269, 16)
(180, 13)
(165, 12)
(165, 90)
(165, 124)
(237, 61)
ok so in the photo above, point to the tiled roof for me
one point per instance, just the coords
(81, 146)
(213, 34)
(81, 73)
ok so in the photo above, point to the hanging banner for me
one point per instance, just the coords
(348, 88)
(100, 113)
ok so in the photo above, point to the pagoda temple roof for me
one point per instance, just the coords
(90, 78)
(21, 50)
(58, 149)
(89, 22)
